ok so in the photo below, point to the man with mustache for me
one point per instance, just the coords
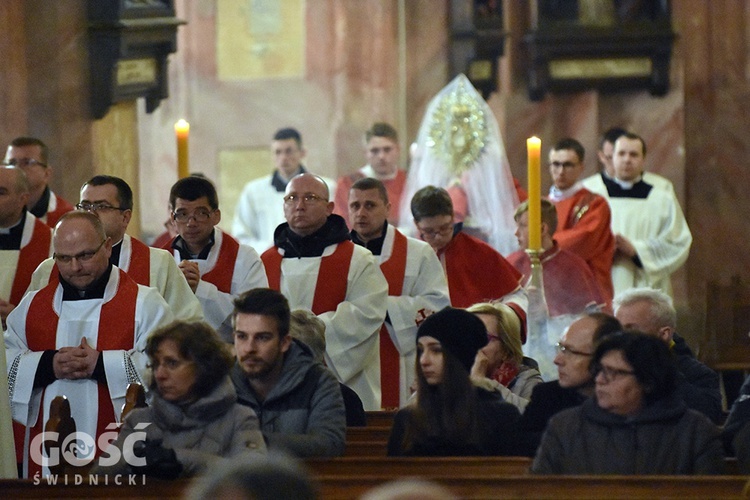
(297, 399)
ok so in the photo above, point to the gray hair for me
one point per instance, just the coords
(310, 329)
(663, 312)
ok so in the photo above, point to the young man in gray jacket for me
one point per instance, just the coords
(297, 399)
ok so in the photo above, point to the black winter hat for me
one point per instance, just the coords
(460, 332)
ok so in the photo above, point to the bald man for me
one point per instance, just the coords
(316, 266)
(81, 336)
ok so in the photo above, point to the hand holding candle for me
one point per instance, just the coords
(182, 131)
(534, 147)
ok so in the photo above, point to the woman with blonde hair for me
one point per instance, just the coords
(500, 365)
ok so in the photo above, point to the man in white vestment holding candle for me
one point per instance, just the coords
(82, 336)
(111, 199)
(317, 267)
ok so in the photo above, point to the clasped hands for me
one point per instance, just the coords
(75, 362)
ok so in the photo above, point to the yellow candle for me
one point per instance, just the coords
(182, 131)
(534, 147)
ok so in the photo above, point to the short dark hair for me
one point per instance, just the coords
(367, 183)
(606, 325)
(20, 142)
(549, 213)
(431, 201)
(635, 137)
(191, 188)
(199, 343)
(265, 302)
(572, 144)
(124, 193)
(611, 135)
(288, 133)
(653, 364)
(381, 129)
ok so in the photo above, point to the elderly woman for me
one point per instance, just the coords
(635, 423)
(451, 417)
(194, 417)
(500, 365)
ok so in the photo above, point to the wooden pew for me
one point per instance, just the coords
(433, 467)
(380, 418)
(367, 441)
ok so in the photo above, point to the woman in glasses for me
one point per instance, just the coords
(450, 416)
(635, 423)
(193, 417)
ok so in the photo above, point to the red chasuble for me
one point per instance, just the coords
(393, 270)
(221, 274)
(29, 258)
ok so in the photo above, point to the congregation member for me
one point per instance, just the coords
(652, 312)
(193, 420)
(451, 417)
(635, 423)
(216, 266)
(25, 241)
(569, 285)
(501, 361)
(652, 238)
(416, 285)
(382, 152)
(81, 336)
(583, 217)
(296, 398)
(32, 156)
(111, 199)
(259, 208)
(574, 383)
(476, 272)
(306, 327)
(736, 432)
(317, 267)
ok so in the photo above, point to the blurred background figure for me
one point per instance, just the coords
(409, 489)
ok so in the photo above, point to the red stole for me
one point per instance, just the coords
(29, 258)
(61, 208)
(221, 274)
(333, 276)
(139, 268)
(394, 270)
(116, 332)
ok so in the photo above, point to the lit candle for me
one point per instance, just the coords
(534, 147)
(182, 131)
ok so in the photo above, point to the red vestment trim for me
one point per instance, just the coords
(221, 274)
(62, 207)
(29, 258)
(139, 268)
(394, 270)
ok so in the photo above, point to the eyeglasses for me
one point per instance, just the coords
(565, 350)
(23, 162)
(565, 164)
(200, 215)
(611, 374)
(292, 199)
(431, 233)
(97, 207)
(81, 257)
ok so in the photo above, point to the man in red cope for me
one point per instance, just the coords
(416, 285)
(217, 267)
(25, 241)
(569, 285)
(32, 156)
(382, 151)
(316, 266)
(583, 217)
(81, 336)
(476, 272)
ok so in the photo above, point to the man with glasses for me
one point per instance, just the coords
(81, 336)
(316, 266)
(25, 241)
(575, 381)
(111, 199)
(31, 155)
(583, 217)
(216, 266)
(476, 272)
(416, 285)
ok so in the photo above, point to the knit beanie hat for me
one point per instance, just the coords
(460, 332)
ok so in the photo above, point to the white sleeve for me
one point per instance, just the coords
(167, 278)
(245, 219)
